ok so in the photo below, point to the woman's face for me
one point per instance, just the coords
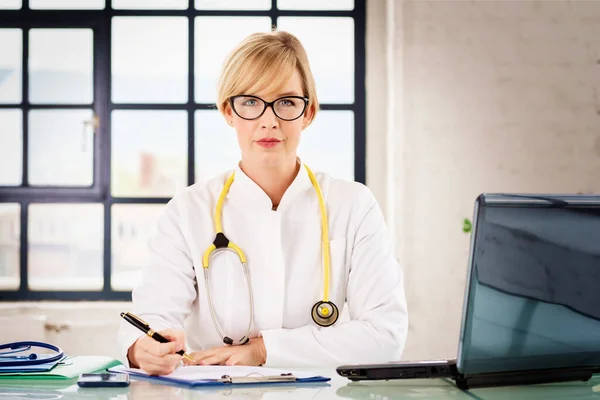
(268, 140)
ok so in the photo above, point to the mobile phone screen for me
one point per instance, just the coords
(105, 379)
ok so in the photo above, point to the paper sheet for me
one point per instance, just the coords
(199, 372)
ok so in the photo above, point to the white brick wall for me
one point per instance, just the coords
(499, 96)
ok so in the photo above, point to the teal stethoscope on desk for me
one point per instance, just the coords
(10, 354)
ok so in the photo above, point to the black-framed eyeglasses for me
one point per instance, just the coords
(287, 108)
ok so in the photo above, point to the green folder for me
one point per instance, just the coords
(69, 368)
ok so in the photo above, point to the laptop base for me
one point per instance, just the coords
(400, 370)
(448, 369)
(523, 378)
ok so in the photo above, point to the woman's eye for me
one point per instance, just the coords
(286, 103)
(250, 102)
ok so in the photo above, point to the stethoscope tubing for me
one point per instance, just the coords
(251, 297)
(15, 361)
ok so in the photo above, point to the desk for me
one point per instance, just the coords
(337, 388)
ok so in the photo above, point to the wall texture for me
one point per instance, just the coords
(79, 328)
(499, 96)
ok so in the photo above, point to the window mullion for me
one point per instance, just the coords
(100, 191)
(25, 106)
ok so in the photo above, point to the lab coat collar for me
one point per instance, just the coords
(246, 192)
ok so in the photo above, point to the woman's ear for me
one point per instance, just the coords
(228, 114)
(309, 114)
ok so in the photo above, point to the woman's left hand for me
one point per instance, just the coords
(252, 353)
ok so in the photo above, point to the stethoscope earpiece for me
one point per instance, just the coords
(325, 313)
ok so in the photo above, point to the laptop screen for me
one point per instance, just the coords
(533, 294)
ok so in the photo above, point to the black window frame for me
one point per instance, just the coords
(100, 21)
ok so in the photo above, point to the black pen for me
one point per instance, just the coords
(144, 327)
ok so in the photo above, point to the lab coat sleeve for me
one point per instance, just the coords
(376, 302)
(167, 289)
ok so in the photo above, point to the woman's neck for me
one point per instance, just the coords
(275, 180)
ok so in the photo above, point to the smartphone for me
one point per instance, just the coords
(104, 379)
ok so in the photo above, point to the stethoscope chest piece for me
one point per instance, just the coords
(325, 313)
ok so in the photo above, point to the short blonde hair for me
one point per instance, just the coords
(265, 61)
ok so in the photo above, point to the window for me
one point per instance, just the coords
(107, 108)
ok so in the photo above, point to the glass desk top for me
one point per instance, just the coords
(337, 388)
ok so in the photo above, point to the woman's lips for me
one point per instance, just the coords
(268, 143)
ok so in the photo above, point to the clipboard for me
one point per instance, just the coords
(284, 377)
(196, 376)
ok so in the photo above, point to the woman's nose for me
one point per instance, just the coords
(269, 119)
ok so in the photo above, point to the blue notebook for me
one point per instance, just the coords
(217, 375)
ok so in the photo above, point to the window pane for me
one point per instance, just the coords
(67, 4)
(233, 4)
(10, 237)
(149, 153)
(327, 145)
(315, 4)
(10, 5)
(150, 60)
(11, 147)
(132, 225)
(217, 149)
(11, 61)
(215, 38)
(66, 246)
(329, 43)
(150, 4)
(61, 149)
(60, 66)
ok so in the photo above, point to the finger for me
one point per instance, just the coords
(146, 343)
(161, 349)
(170, 360)
(174, 335)
(159, 369)
(165, 360)
(217, 359)
(195, 355)
(157, 365)
(156, 369)
(233, 360)
(238, 358)
(201, 355)
(214, 356)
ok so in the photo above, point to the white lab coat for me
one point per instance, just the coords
(283, 249)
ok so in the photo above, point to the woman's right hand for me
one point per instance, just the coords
(157, 358)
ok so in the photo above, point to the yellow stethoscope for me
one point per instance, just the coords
(324, 312)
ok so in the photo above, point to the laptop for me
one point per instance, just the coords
(531, 312)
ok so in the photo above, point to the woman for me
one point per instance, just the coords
(271, 207)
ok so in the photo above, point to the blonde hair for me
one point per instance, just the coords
(265, 61)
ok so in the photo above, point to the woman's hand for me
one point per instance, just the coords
(157, 358)
(252, 353)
